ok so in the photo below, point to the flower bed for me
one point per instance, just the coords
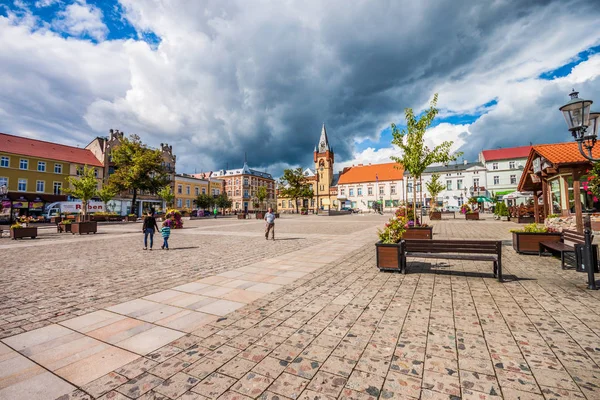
(175, 217)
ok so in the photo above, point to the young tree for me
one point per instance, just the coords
(83, 187)
(434, 187)
(261, 195)
(416, 155)
(107, 193)
(167, 195)
(294, 185)
(137, 168)
(222, 201)
(204, 201)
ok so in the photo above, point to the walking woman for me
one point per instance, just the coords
(149, 228)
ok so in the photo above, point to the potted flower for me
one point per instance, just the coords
(18, 231)
(86, 227)
(131, 218)
(435, 214)
(65, 225)
(469, 213)
(527, 240)
(175, 217)
(304, 211)
(388, 247)
(414, 228)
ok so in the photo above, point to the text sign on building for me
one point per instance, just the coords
(76, 207)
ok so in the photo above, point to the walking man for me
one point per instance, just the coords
(215, 211)
(270, 218)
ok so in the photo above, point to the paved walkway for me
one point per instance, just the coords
(322, 322)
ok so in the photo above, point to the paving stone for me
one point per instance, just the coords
(214, 385)
(176, 385)
(289, 385)
(105, 384)
(252, 384)
(140, 385)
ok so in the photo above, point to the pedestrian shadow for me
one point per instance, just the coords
(278, 239)
(183, 248)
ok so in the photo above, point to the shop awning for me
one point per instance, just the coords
(503, 192)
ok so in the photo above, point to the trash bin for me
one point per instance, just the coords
(579, 266)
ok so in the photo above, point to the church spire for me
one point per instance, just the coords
(323, 141)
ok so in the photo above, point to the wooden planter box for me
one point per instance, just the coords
(84, 227)
(525, 220)
(66, 227)
(241, 216)
(130, 219)
(435, 215)
(20, 233)
(472, 216)
(260, 215)
(529, 242)
(389, 257)
(418, 233)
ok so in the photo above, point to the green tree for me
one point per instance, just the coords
(434, 187)
(166, 193)
(261, 195)
(107, 193)
(416, 156)
(293, 185)
(204, 201)
(222, 201)
(83, 187)
(137, 168)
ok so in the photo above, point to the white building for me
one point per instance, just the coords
(504, 168)
(363, 185)
(461, 181)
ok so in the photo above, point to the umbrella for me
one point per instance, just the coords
(481, 199)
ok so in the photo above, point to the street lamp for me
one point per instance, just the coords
(579, 118)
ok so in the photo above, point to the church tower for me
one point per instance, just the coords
(324, 159)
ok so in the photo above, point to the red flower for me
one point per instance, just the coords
(595, 199)
(589, 192)
(589, 178)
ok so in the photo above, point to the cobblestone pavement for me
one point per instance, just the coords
(327, 324)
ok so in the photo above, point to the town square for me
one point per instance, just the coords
(292, 200)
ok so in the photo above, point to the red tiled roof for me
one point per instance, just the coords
(563, 153)
(40, 149)
(505, 154)
(367, 173)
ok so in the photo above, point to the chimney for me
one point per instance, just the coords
(465, 162)
(360, 165)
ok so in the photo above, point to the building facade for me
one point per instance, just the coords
(33, 173)
(504, 168)
(461, 181)
(241, 186)
(363, 186)
(322, 179)
(189, 187)
(101, 147)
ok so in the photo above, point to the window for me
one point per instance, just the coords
(460, 201)
(556, 196)
(392, 189)
(23, 164)
(179, 189)
(187, 190)
(351, 192)
(381, 190)
(179, 203)
(343, 191)
(459, 184)
(511, 164)
(41, 166)
(475, 183)
(370, 191)
(3, 181)
(418, 187)
(409, 187)
(237, 192)
(496, 180)
(513, 179)
(217, 192)
(40, 186)
(187, 203)
(58, 168)
(22, 185)
(495, 165)
(197, 191)
(96, 172)
(448, 185)
(359, 191)
(4, 162)
(57, 187)
(448, 174)
(246, 193)
(245, 181)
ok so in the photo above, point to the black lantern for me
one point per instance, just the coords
(577, 115)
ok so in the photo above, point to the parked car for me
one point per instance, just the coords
(452, 208)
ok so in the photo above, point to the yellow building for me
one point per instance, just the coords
(33, 173)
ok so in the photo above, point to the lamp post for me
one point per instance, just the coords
(579, 118)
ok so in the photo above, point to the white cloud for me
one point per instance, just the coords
(46, 3)
(81, 19)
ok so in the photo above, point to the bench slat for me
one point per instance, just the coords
(452, 256)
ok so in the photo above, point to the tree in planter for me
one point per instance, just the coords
(84, 187)
(416, 155)
(434, 187)
(261, 195)
(204, 201)
(137, 168)
(166, 193)
(107, 193)
(293, 185)
(222, 201)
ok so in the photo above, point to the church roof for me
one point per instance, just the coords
(323, 144)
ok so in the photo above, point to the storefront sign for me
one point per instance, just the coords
(77, 207)
(20, 204)
(36, 205)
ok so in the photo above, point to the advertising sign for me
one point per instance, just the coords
(20, 204)
(77, 207)
(36, 205)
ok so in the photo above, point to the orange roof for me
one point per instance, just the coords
(40, 149)
(505, 154)
(564, 153)
(370, 173)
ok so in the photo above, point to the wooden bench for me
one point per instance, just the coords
(566, 245)
(477, 250)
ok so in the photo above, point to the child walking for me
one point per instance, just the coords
(166, 232)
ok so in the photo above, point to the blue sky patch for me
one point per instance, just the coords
(566, 69)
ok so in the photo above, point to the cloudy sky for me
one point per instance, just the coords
(216, 78)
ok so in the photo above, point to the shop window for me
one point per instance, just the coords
(556, 196)
(587, 200)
